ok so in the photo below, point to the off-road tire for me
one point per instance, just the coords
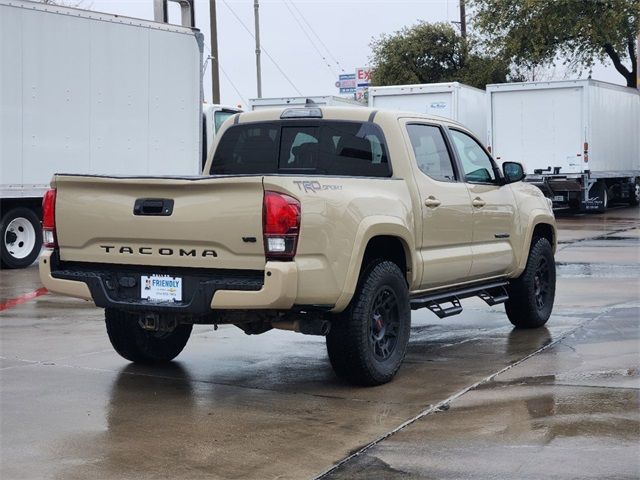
(531, 295)
(7, 260)
(353, 351)
(142, 346)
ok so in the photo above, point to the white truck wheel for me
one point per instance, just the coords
(20, 238)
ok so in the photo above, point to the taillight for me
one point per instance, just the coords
(586, 152)
(49, 219)
(280, 225)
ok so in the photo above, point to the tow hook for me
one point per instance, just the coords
(154, 322)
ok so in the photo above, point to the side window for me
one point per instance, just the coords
(219, 117)
(476, 164)
(431, 152)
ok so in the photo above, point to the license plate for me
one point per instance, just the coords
(161, 288)
(558, 198)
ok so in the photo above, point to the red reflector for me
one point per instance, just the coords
(281, 214)
(49, 218)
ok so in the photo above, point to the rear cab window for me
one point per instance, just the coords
(320, 147)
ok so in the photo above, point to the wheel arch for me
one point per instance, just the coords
(542, 225)
(385, 238)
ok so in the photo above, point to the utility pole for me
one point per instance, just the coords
(215, 74)
(256, 7)
(463, 19)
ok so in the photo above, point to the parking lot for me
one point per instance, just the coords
(474, 398)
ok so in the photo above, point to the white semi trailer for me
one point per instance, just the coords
(453, 100)
(87, 92)
(579, 139)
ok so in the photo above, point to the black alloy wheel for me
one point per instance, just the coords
(385, 323)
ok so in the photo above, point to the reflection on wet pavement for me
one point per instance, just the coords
(570, 412)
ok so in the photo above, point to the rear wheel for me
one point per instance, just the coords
(532, 294)
(634, 194)
(20, 238)
(599, 196)
(134, 343)
(367, 344)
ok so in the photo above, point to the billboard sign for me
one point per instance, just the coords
(347, 83)
(356, 84)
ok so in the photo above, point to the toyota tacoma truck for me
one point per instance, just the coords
(326, 221)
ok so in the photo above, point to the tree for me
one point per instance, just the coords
(432, 52)
(538, 32)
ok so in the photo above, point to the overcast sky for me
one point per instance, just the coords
(345, 27)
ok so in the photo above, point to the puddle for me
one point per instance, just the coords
(596, 270)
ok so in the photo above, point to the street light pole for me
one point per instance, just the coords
(256, 7)
(215, 74)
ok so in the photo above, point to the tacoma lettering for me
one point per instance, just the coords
(164, 251)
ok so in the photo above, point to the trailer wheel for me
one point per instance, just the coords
(634, 194)
(20, 238)
(600, 194)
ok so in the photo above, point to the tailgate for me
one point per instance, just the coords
(214, 222)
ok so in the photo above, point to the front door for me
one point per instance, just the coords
(447, 226)
(493, 207)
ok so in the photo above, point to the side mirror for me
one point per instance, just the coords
(513, 172)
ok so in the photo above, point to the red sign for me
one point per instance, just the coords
(363, 75)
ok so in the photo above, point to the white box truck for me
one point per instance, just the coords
(87, 92)
(579, 140)
(282, 102)
(453, 100)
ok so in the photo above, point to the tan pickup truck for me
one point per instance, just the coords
(326, 221)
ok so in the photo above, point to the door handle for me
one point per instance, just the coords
(432, 202)
(478, 202)
(160, 207)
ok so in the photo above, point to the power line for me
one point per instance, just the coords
(226, 75)
(335, 60)
(210, 57)
(304, 30)
(263, 49)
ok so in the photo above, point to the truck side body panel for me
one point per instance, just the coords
(549, 124)
(613, 129)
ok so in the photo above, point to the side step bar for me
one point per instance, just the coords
(491, 293)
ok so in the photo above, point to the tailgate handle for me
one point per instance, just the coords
(161, 207)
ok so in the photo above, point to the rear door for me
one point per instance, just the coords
(447, 217)
(539, 128)
(493, 207)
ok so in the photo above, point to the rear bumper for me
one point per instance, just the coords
(117, 286)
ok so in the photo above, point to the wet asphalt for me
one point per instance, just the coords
(474, 398)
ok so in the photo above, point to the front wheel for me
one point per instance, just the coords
(368, 342)
(531, 295)
(21, 238)
(135, 344)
